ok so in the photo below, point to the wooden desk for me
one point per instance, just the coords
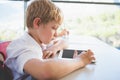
(107, 65)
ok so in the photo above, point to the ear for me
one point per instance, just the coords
(36, 22)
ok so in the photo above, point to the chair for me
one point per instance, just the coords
(3, 46)
(5, 72)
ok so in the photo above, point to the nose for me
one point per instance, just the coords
(55, 34)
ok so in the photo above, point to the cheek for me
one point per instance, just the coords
(49, 36)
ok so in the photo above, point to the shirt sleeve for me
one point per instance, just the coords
(23, 58)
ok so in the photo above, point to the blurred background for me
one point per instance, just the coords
(97, 18)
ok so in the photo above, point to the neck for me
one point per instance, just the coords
(35, 36)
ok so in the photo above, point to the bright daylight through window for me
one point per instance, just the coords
(99, 20)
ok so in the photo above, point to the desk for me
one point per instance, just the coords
(107, 65)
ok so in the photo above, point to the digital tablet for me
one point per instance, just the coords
(68, 53)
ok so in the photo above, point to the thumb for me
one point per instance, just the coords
(75, 54)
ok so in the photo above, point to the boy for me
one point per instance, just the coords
(25, 54)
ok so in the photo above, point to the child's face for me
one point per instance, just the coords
(48, 32)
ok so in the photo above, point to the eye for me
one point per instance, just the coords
(55, 28)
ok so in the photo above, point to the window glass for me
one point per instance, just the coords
(108, 1)
(11, 19)
(100, 21)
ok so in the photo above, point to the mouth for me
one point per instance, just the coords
(53, 38)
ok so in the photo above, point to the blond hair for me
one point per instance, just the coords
(45, 10)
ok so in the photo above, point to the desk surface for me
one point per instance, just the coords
(107, 65)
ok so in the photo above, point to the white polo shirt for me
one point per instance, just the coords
(19, 52)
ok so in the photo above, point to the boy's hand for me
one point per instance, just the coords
(51, 51)
(86, 57)
(62, 33)
(48, 54)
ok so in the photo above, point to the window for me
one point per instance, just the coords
(98, 18)
(11, 19)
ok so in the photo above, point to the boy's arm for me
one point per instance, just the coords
(52, 69)
(56, 68)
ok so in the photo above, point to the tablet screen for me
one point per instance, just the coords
(68, 53)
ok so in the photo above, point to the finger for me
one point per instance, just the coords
(90, 52)
(87, 55)
(49, 54)
(56, 41)
(45, 52)
(90, 55)
(83, 52)
(93, 58)
(75, 53)
(52, 55)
